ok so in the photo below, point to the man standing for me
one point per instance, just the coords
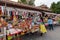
(50, 23)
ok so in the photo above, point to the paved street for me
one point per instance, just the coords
(50, 35)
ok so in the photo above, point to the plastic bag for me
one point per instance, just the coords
(42, 28)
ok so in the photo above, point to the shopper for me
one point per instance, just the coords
(42, 29)
(50, 23)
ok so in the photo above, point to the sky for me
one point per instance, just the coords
(40, 2)
(46, 2)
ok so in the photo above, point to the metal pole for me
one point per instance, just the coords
(5, 28)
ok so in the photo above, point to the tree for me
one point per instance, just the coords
(31, 2)
(58, 7)
(19, 1)
(55, 7)
(23, 1)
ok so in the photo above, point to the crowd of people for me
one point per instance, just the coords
(43, 19)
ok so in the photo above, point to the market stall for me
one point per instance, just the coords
(18, 25)
(19, 19)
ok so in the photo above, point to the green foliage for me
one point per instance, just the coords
(31, 3)
(55, 7)
(23, 1)
(19, 1)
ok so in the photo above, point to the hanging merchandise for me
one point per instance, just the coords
(11, 16)
(0, 11)
(24, 14)
(17, 14)
(13, 13)
(15, 20)
(8, 13)
(5, 12)
(29, 14)
(4, 23)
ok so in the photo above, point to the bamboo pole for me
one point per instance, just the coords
(5, 28)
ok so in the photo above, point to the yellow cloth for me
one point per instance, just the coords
(9, 37)
(42, 28)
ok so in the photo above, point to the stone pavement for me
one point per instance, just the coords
(50, 35)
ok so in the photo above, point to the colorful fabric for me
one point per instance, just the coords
(9, 37)
(42, 28)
